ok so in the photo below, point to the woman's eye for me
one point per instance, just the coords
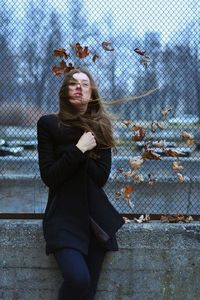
(85, 84)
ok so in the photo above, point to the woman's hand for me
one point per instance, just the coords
(86, 142)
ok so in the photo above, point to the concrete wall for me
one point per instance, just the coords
(156, 261)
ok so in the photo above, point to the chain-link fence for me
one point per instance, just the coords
(150, 48)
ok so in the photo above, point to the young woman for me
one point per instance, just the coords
(74, 147)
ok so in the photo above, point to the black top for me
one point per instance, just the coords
(75, 184)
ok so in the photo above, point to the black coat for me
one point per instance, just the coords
(75, 184)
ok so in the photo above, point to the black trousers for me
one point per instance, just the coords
(80, 272)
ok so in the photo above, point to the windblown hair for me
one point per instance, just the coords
(95, 119)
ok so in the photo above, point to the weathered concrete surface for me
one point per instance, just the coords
(156, 261)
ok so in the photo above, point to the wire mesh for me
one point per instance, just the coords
(153, 47)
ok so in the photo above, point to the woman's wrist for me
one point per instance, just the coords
(81, 148)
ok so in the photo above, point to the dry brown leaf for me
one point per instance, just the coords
(173, 153)
(160, 144)
(185, 135)
(61, 52)
(188, 219)
(126, 122)
(107, 46)
(176, 166)
(149, 154)
(172, 218)
(139, 51)
(126, 220)
(62, 68)
(136, 162)
(181, 178)
(151, 180)
(139, 136)
(142, 219)
(136, 127)
(95, 57)
(165, 111)
(137, 178)
(80, 51)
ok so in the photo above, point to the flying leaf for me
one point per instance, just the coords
(139, 51)
(127, 190)
(81, 52)
(95, 57)
(126, 122)
(149, 154)
(59, 70)
(136, 162)
(107, 46)
(137, 178)
(136, 127)
(187, 137)
(118, 195)
(173, 153)
(62, 68)
(151, 180)
(60, 52)
(145, 60)
(139, 136)
(154, 126)
(160, 144)
(165, 111)
(181, 178)
(176, 166)
(128, 173)
(161, 125)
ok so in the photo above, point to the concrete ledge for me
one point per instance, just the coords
(156, 261)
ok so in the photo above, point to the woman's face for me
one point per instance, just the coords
(80, 91)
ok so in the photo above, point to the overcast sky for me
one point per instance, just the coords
(167, 16)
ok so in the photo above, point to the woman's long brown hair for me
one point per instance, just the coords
(96, 118)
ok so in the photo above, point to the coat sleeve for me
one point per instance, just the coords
(55, 172)
(99, 170)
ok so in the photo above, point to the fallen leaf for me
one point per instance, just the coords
(172, 218)
(126, 220)
(188, 219)
(142, 219)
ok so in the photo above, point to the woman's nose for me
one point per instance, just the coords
(78, 86)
